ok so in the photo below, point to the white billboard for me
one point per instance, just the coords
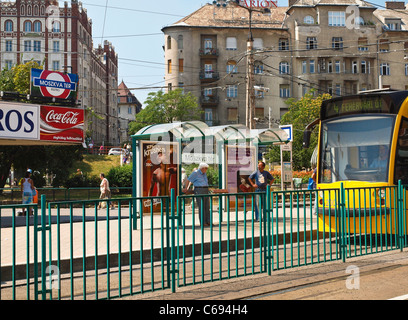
(19, 121)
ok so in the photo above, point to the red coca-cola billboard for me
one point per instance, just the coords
(60, 124)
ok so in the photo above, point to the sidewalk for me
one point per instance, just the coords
(102, 236)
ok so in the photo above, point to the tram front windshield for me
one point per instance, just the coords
(356, 149)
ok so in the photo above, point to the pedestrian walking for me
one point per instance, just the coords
(260, 179)
(200, 181)
(27, 191)
(105, 192)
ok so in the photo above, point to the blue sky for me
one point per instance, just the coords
(134, 28)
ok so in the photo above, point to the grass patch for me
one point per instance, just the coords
(93, 164)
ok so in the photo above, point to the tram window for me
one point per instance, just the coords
(401, 159)
(356, 148)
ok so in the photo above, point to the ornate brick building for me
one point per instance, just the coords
(60, 38)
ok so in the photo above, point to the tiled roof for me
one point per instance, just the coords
(332, 2)
(232, 16)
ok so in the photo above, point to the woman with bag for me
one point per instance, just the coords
(105, 192)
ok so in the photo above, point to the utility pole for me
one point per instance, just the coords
(250, 91)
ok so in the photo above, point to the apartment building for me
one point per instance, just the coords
(335, 46)
(60, 38)
(128, 107)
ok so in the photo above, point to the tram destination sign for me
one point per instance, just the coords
(355, 105)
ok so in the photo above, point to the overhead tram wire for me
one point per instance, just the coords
(135, 10)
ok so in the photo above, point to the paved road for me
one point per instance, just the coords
(380, 276)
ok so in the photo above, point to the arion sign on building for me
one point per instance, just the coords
(264, 4)
(33, 124)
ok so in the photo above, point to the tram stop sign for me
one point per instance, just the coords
(53, 84)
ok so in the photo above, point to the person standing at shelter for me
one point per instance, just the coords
(259, 179)
(200, 181)
(27, 190)
(105, 191)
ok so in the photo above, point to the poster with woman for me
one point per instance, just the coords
(159, 172)
(240, 163)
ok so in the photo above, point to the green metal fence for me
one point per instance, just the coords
(76, 250)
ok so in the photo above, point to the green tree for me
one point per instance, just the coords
(17, 79)
(165, 108)
(301, 113)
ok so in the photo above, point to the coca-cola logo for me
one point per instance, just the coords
(68, 117)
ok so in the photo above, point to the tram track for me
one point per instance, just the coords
(312, 289)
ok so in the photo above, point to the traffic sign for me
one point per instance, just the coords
(288, 128)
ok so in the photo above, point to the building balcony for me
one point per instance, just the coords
(209, 76)
(209, 53)
(212, 100)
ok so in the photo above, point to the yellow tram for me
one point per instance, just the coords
(363, 148)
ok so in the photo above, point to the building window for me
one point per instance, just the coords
(330, 67)
(27, 26)
(338, 90)
(259, 93)
(56, 26)
(284, 68)
(304, 67)
(27, 46)
(232, 114)
(231, 43)
(168, 42)
(364, 68)
(362, 44)
(406, 69)
(385, 69)
(312, 68)
(337, 43)
(169, 66)
(208, 116)
(259, 113)
(258, 43)
(8, 26)
(232, 91)
(337, 18)
(55, 46)
(283, 44)
(308, 20)
(55, 65)
(384, 45)
(180, 42)
(337, 66)
(258, 68)
(8, 64)
(37, 26)
(37, 46)
(9, 45)
(232, 67)
(311, 43)
(181, 65)
(354, 67)
(284, 91)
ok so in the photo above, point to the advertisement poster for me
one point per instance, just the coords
(58, 124)
(19, 121)
(240, 163)
(159, 172)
